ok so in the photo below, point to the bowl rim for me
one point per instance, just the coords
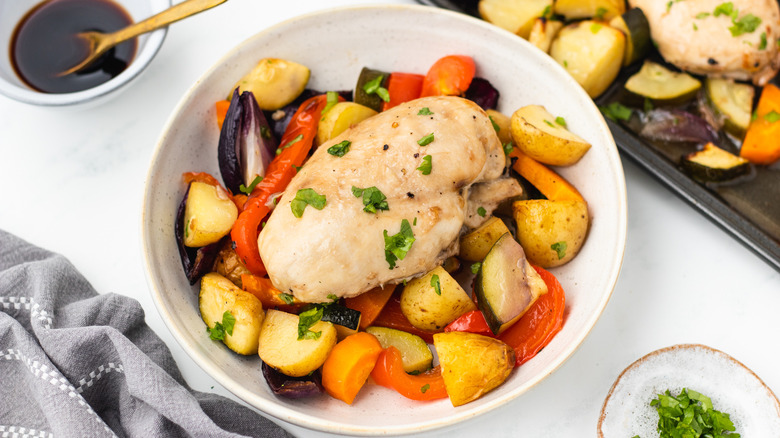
(139, 63)
(298, 418)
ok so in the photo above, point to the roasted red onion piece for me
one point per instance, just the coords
(677, 125)
(482, 93)
(196, 262)
(293, 387)
(246, 143)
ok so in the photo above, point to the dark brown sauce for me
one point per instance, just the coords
(44, 44)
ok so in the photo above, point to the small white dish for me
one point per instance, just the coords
(12, 12)
(733, 388)
(335, 45)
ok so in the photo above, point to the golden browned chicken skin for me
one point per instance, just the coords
(690, 35)
(340, 249)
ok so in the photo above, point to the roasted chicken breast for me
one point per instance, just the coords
(341, 249)
(711, 37)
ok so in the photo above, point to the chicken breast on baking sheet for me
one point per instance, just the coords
(340, 249)
(711, 37)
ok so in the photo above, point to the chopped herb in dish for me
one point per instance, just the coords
(397, 245)
(425, 141)
(436, 284)
(374, 87)
(306, 320)
(306, 197)
(252, 185)
(373, 199)
(424, 111)
(339, 150)
(426, 166)
(220, 329)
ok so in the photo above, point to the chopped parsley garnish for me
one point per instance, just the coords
(695, 27)
(702, 15)
(306, 320)
(373, 199)
(306, 197)
(648, 106)
(547, 12)
(475, 267)
(426, 166)
(746, 24)
(436, 284)
(187, 229)
(397, 245)
(508, 146)
(424, 111)
(559, 248)
(298, 138)
(332, 98)
(425, 141)
(427, 386)
(339, 150)
(596, 27)
(772, 116)
(219, 330)
(691, 414)
(414, 222)
(265, 132)
(762, 46)
(726, 8)
(252, 185)
(374, 86)
(495, 125)
(561, 121)
(600, 13)
(481, 211)
(287, 298)
(549, 123)
(616, 111)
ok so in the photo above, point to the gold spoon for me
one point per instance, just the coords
(99, 43)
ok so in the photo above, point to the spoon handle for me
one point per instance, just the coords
(184, 9)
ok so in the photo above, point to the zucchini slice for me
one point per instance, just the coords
(341, 315)
(660, 84)
(415, 354)
(506, 284)
(366, 77)
(634, 24)
(732, 101)
(713, 164)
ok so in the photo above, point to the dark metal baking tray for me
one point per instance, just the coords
(749, 211)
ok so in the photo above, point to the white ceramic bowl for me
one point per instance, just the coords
(336, 44)
(11, 12)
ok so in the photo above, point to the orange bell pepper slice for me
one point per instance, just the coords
(549, 183)
(370, 304)
(389, 372)
(762, 140)
(264, 290)
(222, 109)
(449, 76)
(349, 364)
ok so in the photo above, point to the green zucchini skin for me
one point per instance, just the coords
(713, 164)
(341, 315)
(635, 24)
(372, 101)
(732, 101)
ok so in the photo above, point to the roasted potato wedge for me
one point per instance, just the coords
(602, 9)
(543, 137)
(544, 32)
(503, 123)
(475, 245)
(591, 52)
(551, 232)
(209, 214)
(281, 349)
(339, 118)
(428, 309)
(516, 16)
(416, 355)
(219, 295)
(471, 364)
(274, 82)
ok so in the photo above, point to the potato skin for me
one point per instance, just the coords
(341, 117)
(218, 295)
(537, 135)
(541, 223)
(427, 310)
(281, 349)
(471, 364)
(475, 245)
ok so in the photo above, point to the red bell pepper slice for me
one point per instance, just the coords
(449, 76)
(402, 88)
(540, 324)
(472, 322)
(389, 372)
(294, 147)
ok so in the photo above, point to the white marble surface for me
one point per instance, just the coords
(72, 182)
